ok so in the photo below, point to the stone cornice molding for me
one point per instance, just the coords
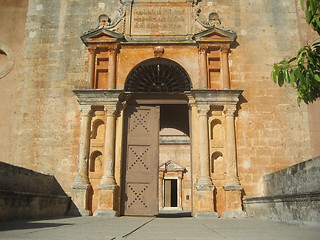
(216, 97)
(99, 97)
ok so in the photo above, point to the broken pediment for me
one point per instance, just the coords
(101, 35)
(171, 166)
(215, 35)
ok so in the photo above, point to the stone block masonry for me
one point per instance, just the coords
(292, 195)
(28, 194)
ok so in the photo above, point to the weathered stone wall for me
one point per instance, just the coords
(28, 194)
(272, 131)
(292, 195)
(46, 117)
(13, 14)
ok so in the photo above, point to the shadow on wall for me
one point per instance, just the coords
(25, 194)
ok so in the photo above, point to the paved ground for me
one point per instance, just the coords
(78, 228)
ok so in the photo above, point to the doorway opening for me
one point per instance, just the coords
(170, 193)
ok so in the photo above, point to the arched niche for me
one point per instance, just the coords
(96, 164)
(158, 75)
(216, 132)
(98, 129)
(217, 164)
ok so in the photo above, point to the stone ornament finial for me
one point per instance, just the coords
(214, 19)
(104, 21)
(158, 51)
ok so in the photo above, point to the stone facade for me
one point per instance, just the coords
(236, 136)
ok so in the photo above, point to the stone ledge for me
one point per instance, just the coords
(105, 213)
(313, 196)
(234, 214)
(232, 187)
(22, 205)
(205, 215)
(298, 209)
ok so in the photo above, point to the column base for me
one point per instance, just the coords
(108, 201)
(234, 214)
(205, 199)
(105, 213)
(79, 200)
(205, 187)
(233, 202)
(205, 215)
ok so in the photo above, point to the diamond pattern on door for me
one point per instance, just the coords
(138, 154)
(139, 121)
(140, 196)
(137, 191)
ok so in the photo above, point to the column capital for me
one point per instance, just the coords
(203, 48)
(92, 50)
(110, 110)
(113, 48)
(203, 110)
(225, 49)
(229, 110)
(85, 110)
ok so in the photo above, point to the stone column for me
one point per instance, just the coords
(109, 144)
(205, 189)
(231, 155)
(203, 72)
(91, 69)
(81, 183)
(108, 188)
(204, 156)
(112, 68)
(225, 76)
(232, 186)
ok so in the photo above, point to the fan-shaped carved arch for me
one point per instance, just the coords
(158, 75)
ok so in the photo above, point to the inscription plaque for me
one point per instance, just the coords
(159, 20)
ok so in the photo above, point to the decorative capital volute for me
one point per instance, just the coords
(225, 49)
(110, 110)
(203, 48)
(203, 110)
(229, 110)
(92, 50)
(85, 110)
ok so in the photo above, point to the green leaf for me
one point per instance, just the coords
(280, 79)
(292, 78)
(274, 76)
(308, 16)
(317, 77)
(286, 76)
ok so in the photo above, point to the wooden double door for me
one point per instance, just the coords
(141, 170)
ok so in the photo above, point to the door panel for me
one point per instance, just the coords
(142, 159)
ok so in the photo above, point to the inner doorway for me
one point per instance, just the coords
(170, 193)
